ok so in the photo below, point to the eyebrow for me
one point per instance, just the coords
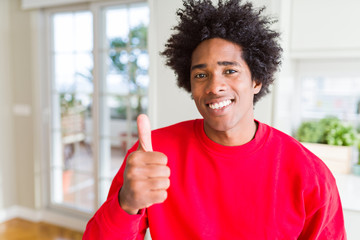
(221, 63)
(198, 66)
(227, 63)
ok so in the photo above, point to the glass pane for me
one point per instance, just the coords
(117, 84)
(113, 153)
(84, 72)
(113, 107)
(86, 102)
(139, 105)
(64, 83)
(139, 20)
(63, 30)
(64, 64)
(73, 123)
(142, 62)
(73, 72)
(72, 31)
(77, 189)
(104, 189)
(118, 59)
(72, 161)
(117, 24)
(84, 29)
(139, 14)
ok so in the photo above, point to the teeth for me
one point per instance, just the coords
(220, 104)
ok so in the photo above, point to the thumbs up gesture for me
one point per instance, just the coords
(146, 176)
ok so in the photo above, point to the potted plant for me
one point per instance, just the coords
(356, 167)
(331, 140)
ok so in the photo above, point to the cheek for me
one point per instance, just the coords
(195, 96)
(195, 90)
(192, 88)
(197, 101)
(245, 94)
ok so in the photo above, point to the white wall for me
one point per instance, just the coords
(336, 33)
(16, 121)
(22, 82)
(169, 103)
(7, 176)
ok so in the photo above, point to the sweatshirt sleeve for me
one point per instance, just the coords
(111, 221)
(325, 218)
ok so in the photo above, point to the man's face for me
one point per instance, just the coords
(222, 87)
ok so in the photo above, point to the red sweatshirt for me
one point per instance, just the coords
(270, 188)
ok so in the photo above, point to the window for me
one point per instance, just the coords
(336, 96)
(329, 88)
(99, 83)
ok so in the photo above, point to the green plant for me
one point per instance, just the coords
(329, 130)
(338, 133)
(130, 49)
(310, 132)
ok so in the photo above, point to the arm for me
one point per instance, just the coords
(325, 221)
(111, 221)
(141, 182)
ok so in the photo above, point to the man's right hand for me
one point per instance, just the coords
(146, 176)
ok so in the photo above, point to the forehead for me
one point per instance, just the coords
(216, 49)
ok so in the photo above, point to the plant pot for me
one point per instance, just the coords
(337, 158)
(356, 169)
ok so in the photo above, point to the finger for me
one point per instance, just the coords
(153, 171)
(141, 159)
(157, 196)
(152, 158)
(146, 172)
(155, 184)
(144, 131)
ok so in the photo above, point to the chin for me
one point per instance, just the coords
(220, 125)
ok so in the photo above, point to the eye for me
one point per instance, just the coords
(200, 75)
(230, 71)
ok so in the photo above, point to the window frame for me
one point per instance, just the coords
(96, 9)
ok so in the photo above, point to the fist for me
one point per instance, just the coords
(146, 175)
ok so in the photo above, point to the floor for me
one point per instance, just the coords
(19, 229)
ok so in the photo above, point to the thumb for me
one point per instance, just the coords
(144, 131)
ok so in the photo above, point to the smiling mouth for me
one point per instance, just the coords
(220, 105)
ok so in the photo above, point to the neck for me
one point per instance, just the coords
(234, 137)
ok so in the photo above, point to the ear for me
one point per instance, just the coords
(257, 86)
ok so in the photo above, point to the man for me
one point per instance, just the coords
(232, 177)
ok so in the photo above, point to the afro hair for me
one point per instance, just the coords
(234, 21)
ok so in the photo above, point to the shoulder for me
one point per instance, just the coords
(303, 167)
(297, 156)
(178, 128)
(175, 134)
(285, 142)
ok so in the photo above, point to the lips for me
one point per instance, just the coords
(219, 105)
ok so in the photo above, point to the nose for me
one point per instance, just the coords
(216, 84)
